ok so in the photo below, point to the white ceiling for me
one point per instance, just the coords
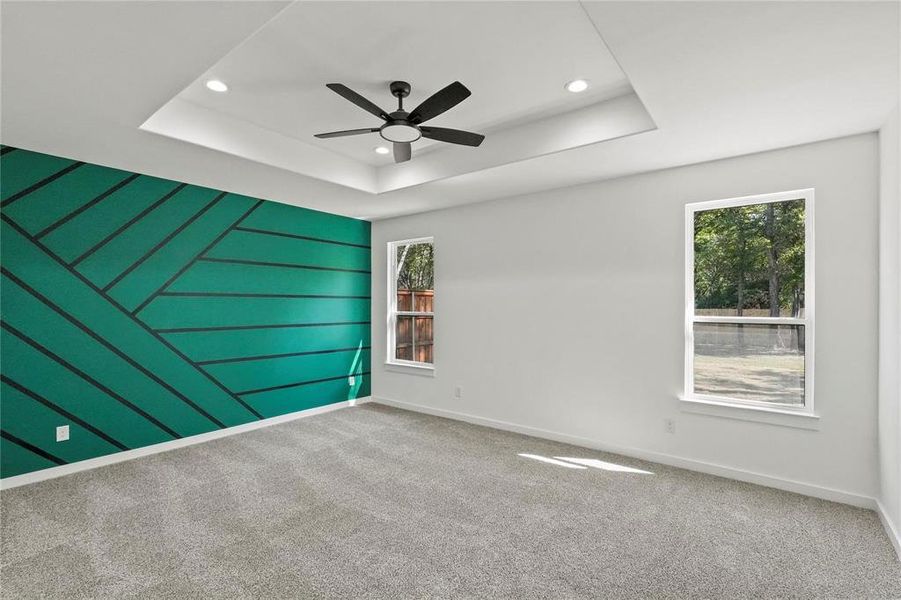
(718, 78)
(515, 67)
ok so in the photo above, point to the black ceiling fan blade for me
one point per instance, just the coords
(439, 102)
(332, 134)
(348, 94)
(452, 136)
(402, 151)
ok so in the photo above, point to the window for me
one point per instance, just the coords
(749, 302)
(411, 298)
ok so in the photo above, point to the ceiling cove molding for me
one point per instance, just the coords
(594, 124)
(183, 120)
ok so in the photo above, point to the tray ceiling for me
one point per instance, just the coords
(514, 57)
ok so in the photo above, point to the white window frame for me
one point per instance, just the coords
(807, 321)
(393, 313)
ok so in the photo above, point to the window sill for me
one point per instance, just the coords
(411, 368)
(742, 412)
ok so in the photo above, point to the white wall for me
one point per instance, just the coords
(564, 311)
(890, 319)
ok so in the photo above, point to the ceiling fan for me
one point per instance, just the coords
(403, 128)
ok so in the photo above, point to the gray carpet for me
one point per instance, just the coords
(373, 502)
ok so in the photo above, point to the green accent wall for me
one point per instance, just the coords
(139, 310)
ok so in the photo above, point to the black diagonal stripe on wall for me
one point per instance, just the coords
(6, 150)
(58, 409)
(300, 383)
(241, 261)
(300, 237)
(197, 256)
(256, 295)
(126, 225)
(245, 327)
(106, 344)
(30, 447)
(218, 361)
(125, 311)
(62, 361)
(40, 184)
(162, 243)
(66, 218)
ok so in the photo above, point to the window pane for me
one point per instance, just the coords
(403, 341)
(423, 301)
(423, 349)
(749, 260)
(750, 362)
(404, 300)
(415, 267)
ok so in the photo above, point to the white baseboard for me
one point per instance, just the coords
(894, 534)
(110, 459)
(798, 487)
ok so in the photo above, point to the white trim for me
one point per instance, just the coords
(789, 485)
(110, 459)
(397, 362)
(753, 199)
(750, 320)
(807, 321)
(413, 368)
(390, 325)
(774, 415)
(426, 239)
(894, 534)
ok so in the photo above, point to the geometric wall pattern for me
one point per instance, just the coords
(139, 310)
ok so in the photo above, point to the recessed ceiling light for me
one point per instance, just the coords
(577, 85)
(216, 85)
(381, 150)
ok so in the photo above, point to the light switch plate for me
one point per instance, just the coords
(62, 433)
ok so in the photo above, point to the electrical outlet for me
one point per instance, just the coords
(351, 380)
(62, 433)
(458, 392)
(669, 425)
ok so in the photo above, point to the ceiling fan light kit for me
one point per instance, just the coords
(400, 132)
(402, 128)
